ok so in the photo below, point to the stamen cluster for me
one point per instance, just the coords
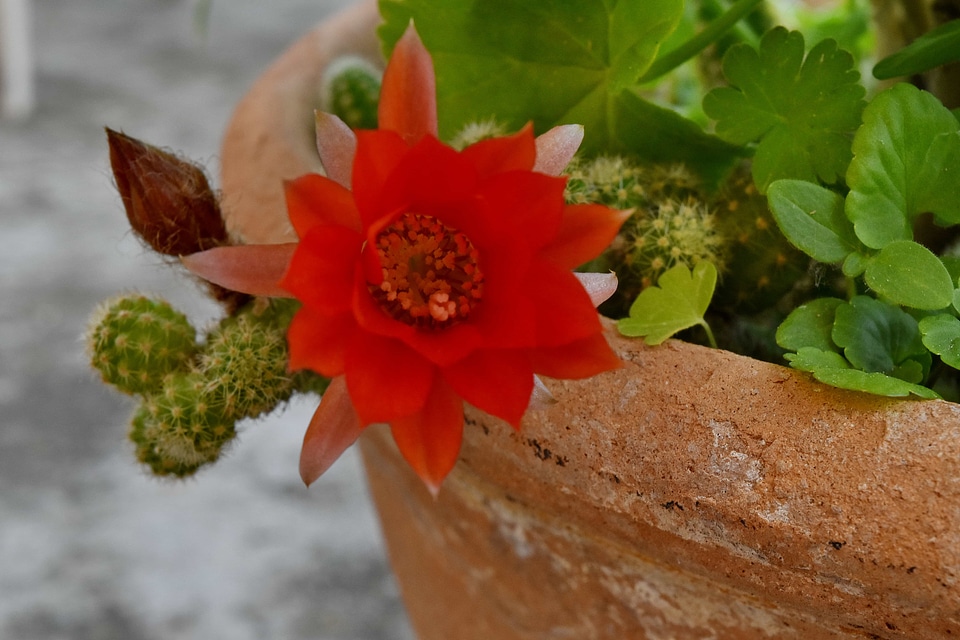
(431, 277)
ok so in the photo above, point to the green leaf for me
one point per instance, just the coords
(831, 368)
(802, 111)
(678, 302)
(812, 218)
(906, 159)
(810, 325)
(936, 47)
(909, 274)
(875, 383)
(941, 334)
(812, 359)
(555, 62)
(878, 337)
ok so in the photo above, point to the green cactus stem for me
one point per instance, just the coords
(135, 342)
(351, 91)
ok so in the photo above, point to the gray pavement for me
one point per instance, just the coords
(90, 546)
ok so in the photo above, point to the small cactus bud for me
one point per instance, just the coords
(168, 200)
(474, 132)
(351, 91)
(245, 358)
(181, 428)
(135, 342)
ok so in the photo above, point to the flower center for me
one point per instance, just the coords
(430, 274)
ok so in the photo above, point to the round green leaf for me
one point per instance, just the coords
(809, 325)
(941, 334)
(812, 218)
(909, 274)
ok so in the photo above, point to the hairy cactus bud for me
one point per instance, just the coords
(168, 200)
(135, 342)
(351, 91)
(169, 204)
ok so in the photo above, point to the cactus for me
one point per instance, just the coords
(192, 395)
(763, 265)
(474, 132)
(671, 224)
(245, 359)
(181, 428)
(135, 342)
(351, 91)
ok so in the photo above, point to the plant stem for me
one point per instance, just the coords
(712, 340)
(699, 42)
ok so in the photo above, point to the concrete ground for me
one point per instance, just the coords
(91, 548)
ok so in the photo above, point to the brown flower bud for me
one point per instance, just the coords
(169, 204)
(168, 200)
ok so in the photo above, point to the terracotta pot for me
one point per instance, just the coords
(693, 493)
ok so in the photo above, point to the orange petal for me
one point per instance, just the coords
(430, 440)
(499, 382)
(255, 269)
(318, 342)
(386, 378)
(314, 200)
(408, 96)
(378, 154)
(321, 272)
(506, 153)
(524, 204)
(564, 312)
(333, 428)
(580, 359)
(586, 231)
(337, 145)
(556, 148)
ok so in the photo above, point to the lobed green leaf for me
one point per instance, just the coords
(801, 110)
(557, 62)
(679, 301)
(906, 159)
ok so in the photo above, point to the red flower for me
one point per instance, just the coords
(437, 277)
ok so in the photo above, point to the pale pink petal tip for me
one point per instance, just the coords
(541, 398)
(599, 286)
(333, 428)
(337, 145)
(556, 148)
(254, 268)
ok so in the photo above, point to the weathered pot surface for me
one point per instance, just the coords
(692, 493)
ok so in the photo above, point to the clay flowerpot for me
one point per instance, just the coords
(692, 493)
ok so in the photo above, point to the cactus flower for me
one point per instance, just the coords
(429, 277)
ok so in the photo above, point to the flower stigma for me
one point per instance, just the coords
(431, 276)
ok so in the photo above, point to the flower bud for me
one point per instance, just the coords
(169, 204)
(168, 200)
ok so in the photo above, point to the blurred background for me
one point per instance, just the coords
(91, 547)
